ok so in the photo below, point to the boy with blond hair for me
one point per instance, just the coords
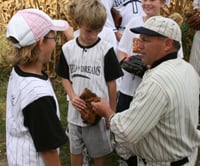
(88, 62)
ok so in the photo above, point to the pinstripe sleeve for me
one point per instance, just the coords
(143, 114)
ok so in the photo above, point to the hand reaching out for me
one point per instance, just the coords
(102, 108)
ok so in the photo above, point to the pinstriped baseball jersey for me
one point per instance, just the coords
(88, 67)
(195, 50)
(23, 90)
(161, 123)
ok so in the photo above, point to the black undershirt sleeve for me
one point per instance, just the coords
(44, 125)
(112, 69)
(62, 68)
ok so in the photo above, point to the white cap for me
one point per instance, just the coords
(27, 26)
(160, 26)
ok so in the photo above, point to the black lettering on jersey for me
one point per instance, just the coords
(118, 2)
(79, 75)
(95, 70)
(13, 100)
(91, 69)
(73, 68)
(126, 2)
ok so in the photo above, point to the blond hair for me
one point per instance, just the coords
(25, 55)
(90, 13)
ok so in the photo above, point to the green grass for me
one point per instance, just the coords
(64, 150)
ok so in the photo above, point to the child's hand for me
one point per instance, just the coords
(78, 103)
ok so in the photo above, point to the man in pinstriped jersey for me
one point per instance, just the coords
(160, 126)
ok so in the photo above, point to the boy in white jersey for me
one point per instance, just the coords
(33, 129)
(88, 62)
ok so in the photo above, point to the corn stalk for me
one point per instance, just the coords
(57, 9)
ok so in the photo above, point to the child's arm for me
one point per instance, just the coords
(51, 158)
(77, 102)
(69, 33)
(112, 92)
(122, 55)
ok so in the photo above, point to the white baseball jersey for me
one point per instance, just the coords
(109, 21)
(196, 3)
(88, 67)
(129, 82)
(161, 124)
(128, 9)
(195, 50)
(32, 123)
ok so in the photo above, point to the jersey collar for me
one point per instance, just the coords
(165, 58)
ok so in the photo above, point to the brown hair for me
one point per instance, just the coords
(90, 13)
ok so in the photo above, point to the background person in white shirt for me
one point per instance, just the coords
(195, 50)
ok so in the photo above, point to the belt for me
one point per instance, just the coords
(180, 162)
(174, 163)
